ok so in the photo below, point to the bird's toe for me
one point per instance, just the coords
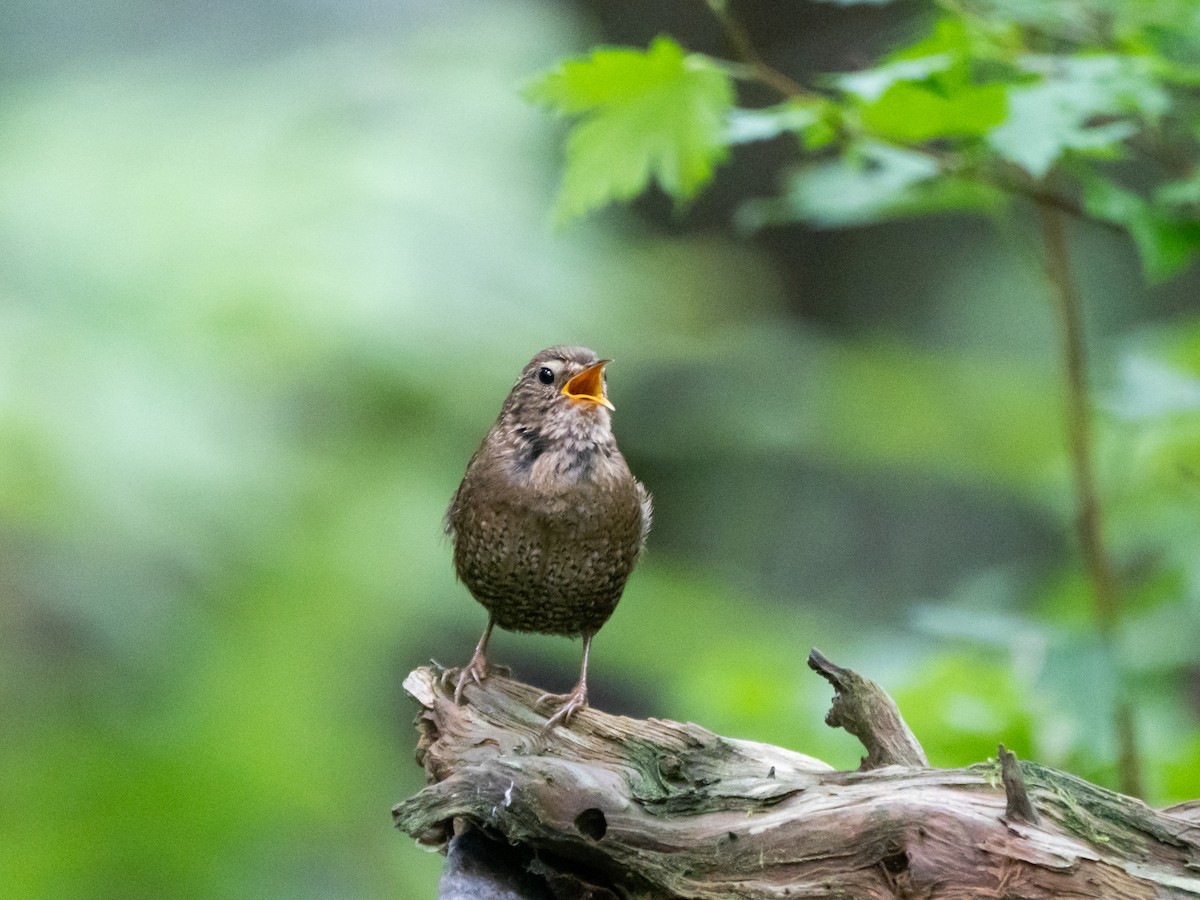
(473, 672)
(572, 704)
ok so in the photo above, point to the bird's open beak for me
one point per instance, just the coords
(588, 385)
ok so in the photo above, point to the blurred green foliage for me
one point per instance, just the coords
(257, 310)
(991, 104)
(994, 97)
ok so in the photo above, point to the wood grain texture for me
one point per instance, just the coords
(657, 809)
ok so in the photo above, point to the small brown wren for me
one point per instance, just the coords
(548, 521)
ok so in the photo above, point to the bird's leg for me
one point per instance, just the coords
(574, 701)
(477, 669)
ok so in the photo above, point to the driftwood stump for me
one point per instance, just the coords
(624, 808)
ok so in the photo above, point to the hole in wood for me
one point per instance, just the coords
(591, 823)
(896, 863)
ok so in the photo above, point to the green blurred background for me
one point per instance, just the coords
(268, 271)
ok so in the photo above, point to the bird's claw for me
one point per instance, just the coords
(572, 704)
(473, 672)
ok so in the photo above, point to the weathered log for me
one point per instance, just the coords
(619, 807)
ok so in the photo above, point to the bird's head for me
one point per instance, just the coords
(560, 380)
(556, 419)
(561, 395)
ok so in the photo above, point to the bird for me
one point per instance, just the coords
(548, 521)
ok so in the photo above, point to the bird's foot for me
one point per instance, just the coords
(473, 672)
(571, 704)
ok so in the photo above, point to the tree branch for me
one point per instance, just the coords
(619, 807)
(865, 710)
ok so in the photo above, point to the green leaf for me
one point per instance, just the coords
(656, 114)
(1166, 245)
(873, 182)
(913, 112)
(871, 84)
(744, 126)
(1057, 114)
(914, 98)
(949, 36)
(1044, 121)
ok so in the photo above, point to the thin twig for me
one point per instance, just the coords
(739, 39)
(1011, 180)
(1089, 523)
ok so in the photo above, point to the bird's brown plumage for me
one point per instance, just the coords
(548, 521)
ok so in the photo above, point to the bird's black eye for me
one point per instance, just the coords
(546, 375)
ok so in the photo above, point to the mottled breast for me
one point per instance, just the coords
(550, 555)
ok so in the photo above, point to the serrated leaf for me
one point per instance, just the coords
(926, 91)
(1055, 115)
(914, 112)
(1044, 121)
(658, 114)
(1117, 82)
